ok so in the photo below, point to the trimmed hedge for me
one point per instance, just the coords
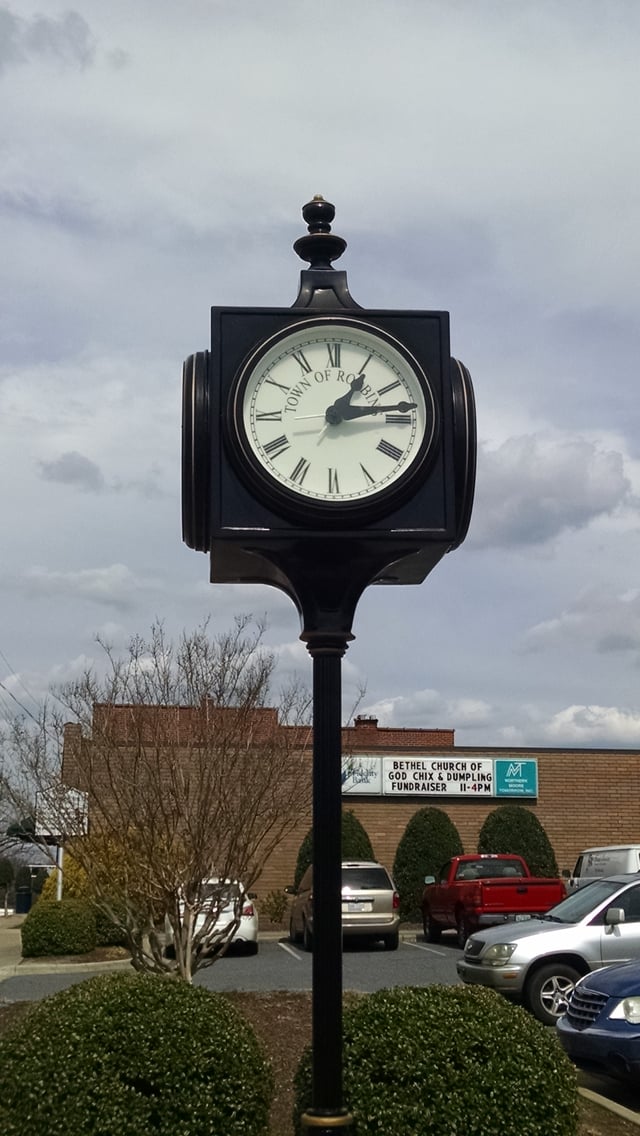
(429, 840)
(445, 1060)
(514, 828)
(64, 928)
(356, 845)
(133, 1055)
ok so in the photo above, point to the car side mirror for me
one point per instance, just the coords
(614, 915)
(429, 879)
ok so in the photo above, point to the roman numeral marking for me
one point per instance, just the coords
(300, 471)
(277, 446)
(299, 357)
(333, 481)
(389, 450)
(389, 387)
(281, 386)
(334, 354)
(367, 476)
(397, 419)
(269, 416)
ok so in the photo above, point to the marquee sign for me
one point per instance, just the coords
(438, 776)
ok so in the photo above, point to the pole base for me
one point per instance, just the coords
(326, 1123)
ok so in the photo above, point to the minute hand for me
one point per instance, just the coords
(349, 412)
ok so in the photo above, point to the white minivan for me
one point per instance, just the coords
(610, 860)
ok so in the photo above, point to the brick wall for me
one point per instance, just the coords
(586, 797)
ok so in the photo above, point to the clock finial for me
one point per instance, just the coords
(320, 246)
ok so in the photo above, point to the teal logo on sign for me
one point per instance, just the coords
(516, 778)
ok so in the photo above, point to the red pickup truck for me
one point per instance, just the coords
(479, 891)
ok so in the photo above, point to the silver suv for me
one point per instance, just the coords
(541, 960)
(370, 905)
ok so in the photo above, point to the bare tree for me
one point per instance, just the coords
(166, 771)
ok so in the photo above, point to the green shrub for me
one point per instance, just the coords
(445, 1060)
(65, 928)
(108, 933)
(513, 828)
(133, 1055)
(429, 840)
(355, 845)
(274, 906)
(76, 885)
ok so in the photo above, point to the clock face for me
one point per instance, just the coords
(334, 413)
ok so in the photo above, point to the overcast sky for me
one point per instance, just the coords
(483, 159)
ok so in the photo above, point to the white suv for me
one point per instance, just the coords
(370, 905)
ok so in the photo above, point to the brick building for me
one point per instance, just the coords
(582, 797)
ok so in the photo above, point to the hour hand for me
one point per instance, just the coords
(350, 412)
(338, 411)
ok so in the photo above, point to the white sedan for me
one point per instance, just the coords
(223, 895)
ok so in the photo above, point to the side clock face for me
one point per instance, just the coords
(333, 416)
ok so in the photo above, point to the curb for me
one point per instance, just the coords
(611, 1106)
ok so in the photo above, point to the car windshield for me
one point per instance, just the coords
(365, 879)
(581, 903)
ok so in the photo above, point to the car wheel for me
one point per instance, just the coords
(432, 930)
(294, 936)
(462, 931)
(547, 991)
(307, 938)
(391, 941)
(251, 948)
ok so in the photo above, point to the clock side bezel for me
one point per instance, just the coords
(286, 500)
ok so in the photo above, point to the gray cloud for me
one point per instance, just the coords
(597, 621)
(73, 468)
(67, 39)
(532, 488)
(115, 586)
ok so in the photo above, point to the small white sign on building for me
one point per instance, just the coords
(61, 812)
(361, 775)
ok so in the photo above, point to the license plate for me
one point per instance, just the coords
(364, 907)
(522, 918)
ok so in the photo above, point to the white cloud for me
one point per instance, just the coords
(115, 586)
(594, 726)
(596, 620)
(432, 707)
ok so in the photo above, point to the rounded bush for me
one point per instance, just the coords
(429, 840)
(355, 845)
(438, 1060)
(64, 928)
(76, 885)
(513, 828)
(134, 1055)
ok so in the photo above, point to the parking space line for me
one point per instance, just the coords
(290, 951)
(420, 947)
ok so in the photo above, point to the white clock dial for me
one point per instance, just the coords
(334, 411)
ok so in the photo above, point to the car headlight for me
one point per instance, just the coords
(499, 953)
(628, 1009)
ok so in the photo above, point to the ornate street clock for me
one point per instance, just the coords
(325, 448)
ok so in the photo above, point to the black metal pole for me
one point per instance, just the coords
(327, 1113)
